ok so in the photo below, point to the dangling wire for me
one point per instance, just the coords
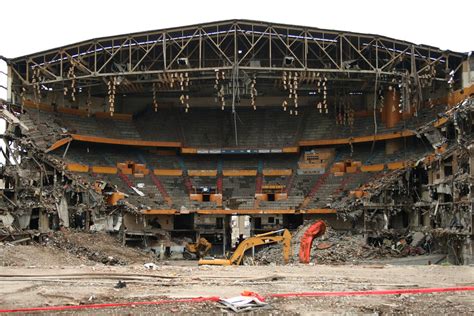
(111, 86)
(377, 74)
(155, 102)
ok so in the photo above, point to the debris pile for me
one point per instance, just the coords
(345, 247)
(97, 247)
(340, 247)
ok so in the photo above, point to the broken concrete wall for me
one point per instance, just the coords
(433, 194)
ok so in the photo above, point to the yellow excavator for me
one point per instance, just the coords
(282, 236)
(198, 249)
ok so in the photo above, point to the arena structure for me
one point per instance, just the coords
(239, 127)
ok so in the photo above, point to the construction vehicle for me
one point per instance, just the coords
(198, 249)
(282, 236)
(317, 229)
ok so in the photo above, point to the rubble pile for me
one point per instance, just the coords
(97, 247)
(59, 240)
(340, 247)
(345, 247)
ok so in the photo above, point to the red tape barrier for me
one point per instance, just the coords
(106, 305)
(216, 299)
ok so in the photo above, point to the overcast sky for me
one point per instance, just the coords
(31, 26)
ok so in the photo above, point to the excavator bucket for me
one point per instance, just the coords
(315, 230)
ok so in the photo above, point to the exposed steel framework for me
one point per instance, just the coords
(250, 46)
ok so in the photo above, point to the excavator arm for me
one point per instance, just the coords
(257, 240)
(306, 242)
(201, 248)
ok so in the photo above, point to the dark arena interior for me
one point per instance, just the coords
(231, 129)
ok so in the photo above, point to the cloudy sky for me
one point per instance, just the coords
(31, 26)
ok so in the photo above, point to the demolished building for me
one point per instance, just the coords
(240, 127)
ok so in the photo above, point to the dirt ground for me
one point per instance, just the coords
(59, 272)
(66, 285)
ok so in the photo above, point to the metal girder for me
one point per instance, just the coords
(220, 45)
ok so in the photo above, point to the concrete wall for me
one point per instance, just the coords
(140, 223)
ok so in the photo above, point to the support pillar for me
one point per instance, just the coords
(10, 95)
(390, 112)
(468, 251)
(43, 222)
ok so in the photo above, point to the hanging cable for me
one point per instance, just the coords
(377, 74)
(235, 98)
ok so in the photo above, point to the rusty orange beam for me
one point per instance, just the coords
(320, 211)
(59, 143)
(37, 106)
(360, 139)
(168, 172)
(76, 167)
(106, 170)
(244, 212)
(159, 212)
(128, 142)
(241, 212)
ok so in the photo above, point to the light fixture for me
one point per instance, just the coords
(288, 61)
(184, 61)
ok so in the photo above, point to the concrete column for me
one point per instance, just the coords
(468, 251)
(43, 222)
(426, 219)
(10, 94)
(414, 218)
(390, 112)
(471, 160)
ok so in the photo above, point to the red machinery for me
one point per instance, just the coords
(315, 230)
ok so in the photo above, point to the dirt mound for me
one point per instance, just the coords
(36, 255)
(69, 248)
